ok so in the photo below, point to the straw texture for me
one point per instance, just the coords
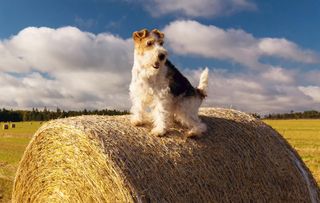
(105, 159)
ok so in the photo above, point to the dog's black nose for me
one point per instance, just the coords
(161, 56)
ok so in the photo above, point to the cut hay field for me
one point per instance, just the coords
(303, 135)
(13, 142)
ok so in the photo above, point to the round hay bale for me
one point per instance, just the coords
(106, 159)
(5, 126)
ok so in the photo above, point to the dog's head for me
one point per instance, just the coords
(149, 50)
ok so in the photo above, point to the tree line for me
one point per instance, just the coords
(45, 114)
(295, 115)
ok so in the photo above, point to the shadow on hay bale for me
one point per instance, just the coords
(105, 159)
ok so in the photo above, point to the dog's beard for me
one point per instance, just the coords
(151, 60)
(153, 63)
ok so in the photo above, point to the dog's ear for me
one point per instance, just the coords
(138, 35)
(159, 34)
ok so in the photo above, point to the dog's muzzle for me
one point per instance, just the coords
(161, 58)
(156, 65)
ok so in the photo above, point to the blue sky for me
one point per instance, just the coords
(263, 55)
(294, 20)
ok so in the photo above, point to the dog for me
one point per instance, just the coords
(159, 92)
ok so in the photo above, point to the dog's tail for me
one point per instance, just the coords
(203, 83)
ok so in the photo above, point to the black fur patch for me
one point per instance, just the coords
(180, 85)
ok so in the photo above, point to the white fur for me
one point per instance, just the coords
(203, 83)
(152, 100)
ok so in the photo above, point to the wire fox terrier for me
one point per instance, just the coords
(159, 92)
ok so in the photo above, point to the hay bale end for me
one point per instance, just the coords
(105, 159)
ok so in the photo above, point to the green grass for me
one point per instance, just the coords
(22, 128)
(13, 142)
(304, 136)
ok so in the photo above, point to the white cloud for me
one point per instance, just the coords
(66, 48)
(279, 75)
(190, 37)
(72, 69)
(65, 67)
(286, 49)
(199, 8)
(311, 91)
(253, 92)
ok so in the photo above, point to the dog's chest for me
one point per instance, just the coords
(150, 85)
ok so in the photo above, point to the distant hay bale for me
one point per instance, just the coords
(5, 126)
(13, 125)
(105, 159)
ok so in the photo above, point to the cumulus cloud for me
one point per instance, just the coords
(253, 92)
(65, 67)
(72, 69)
(199, 8)
(311, 91)
(259, 86)
(188, 37)
(286, 49)
(67, 48)
(278, 75)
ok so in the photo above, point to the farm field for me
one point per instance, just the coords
(303, 135)
(13, 142)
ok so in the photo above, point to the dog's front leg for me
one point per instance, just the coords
(161, 115)
(137, 111)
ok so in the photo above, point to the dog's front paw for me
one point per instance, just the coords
(197, 131)
(193, 133)
(158, 132)
(137, 122)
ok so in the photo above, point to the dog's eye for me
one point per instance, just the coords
(149, 43)
(161, 43)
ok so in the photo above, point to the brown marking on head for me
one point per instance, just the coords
(145, 40)
(138, 35)
(159, 34)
